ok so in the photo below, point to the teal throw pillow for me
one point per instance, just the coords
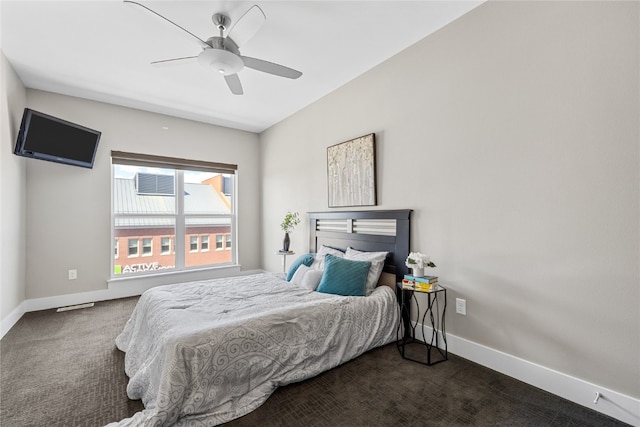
(306, 259)
(343, 276)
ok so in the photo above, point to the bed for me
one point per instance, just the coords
(207, 352)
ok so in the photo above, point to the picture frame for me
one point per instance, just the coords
(351, 172)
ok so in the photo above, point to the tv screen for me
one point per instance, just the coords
(49, 138)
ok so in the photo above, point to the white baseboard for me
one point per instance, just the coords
(46, 303)
(121, 289)
(13, 317)
(617, 405)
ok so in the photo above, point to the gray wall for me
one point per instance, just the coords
(12, 191)
(513, 134)
(69, 208)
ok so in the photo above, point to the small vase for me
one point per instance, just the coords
(417, 271)
(286, 242)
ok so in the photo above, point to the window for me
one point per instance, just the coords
(165, 245)
(147, 247)
(133, 247)
(193, 243)
(115, 248)
(176, 204)
(227, 186)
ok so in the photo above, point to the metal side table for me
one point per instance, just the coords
(433, 348)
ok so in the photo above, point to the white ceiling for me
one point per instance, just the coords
(101, 50)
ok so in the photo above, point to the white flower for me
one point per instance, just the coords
(418, 260)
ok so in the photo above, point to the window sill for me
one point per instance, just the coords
(140, 283)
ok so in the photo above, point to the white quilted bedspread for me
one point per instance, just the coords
(204, 353)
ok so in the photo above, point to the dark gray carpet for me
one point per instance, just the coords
(63, 369)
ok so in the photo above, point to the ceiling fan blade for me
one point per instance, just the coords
(174, 61)
(248, 25)
(202, 42)
(270, 67)
(233, 81)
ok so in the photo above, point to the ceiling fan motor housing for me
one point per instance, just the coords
(223, 57)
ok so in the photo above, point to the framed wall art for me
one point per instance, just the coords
(351, 172)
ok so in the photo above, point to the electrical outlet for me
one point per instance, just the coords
(73, 274)
(461, 306)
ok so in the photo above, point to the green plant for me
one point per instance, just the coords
(290, 221)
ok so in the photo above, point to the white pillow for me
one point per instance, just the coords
(318, 262)
(298, 274)
(377, 263)
(306, 277)
(311, 279)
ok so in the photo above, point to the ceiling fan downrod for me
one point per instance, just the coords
(221, 22)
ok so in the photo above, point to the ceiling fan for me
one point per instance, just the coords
(221, 53)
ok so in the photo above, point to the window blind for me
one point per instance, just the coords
(136, 159)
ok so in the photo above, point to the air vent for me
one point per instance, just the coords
(151, 184)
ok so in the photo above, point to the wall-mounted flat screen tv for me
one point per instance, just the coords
(49, 138)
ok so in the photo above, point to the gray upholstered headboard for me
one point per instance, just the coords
(372, 231)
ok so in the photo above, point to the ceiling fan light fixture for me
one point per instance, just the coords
(221, 61)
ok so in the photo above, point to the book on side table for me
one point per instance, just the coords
(422, 279)
(419, 283)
